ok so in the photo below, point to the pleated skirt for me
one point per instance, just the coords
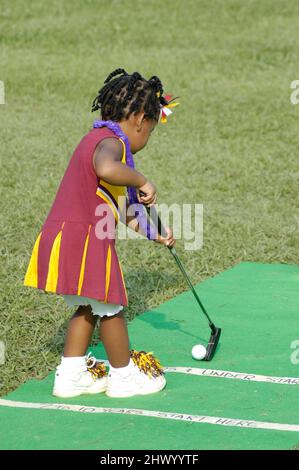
(68, 258)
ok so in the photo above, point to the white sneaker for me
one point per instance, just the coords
(143, 376)
(90, 379)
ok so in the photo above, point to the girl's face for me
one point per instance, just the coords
(138, 129)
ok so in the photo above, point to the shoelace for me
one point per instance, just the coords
(97, 368)
(147, 363)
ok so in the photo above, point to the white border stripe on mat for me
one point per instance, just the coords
(241, 423)
(226, 374)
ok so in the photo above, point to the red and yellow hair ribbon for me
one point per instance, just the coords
(166, 109)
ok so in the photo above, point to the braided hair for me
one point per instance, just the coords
(124, 94)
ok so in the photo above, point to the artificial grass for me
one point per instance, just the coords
(231, 145)
(257, 333)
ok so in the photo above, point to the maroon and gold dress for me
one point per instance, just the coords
(68, 257)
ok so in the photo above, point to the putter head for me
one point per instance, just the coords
(212, 345)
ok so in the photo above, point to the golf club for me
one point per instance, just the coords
(215, 331)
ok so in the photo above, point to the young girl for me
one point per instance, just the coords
(72, 257)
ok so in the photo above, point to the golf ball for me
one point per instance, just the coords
(198, 352)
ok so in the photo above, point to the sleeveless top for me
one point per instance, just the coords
(69, 256)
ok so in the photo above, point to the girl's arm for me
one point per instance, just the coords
(107, 164)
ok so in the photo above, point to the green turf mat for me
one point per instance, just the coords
(257, 307)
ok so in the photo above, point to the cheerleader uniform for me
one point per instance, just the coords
(68, 257)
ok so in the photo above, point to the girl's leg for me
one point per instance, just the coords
(79, 332)
(125, 378)
(72, 377)
(114, 336)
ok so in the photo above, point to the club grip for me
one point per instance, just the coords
(152, 211)
(153, 214)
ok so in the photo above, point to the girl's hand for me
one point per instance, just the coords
(169, 240)
(149, 190)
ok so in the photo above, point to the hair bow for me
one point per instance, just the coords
(166, 109)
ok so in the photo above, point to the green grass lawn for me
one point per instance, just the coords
(231, 145)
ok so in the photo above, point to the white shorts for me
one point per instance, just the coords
(98, 308)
